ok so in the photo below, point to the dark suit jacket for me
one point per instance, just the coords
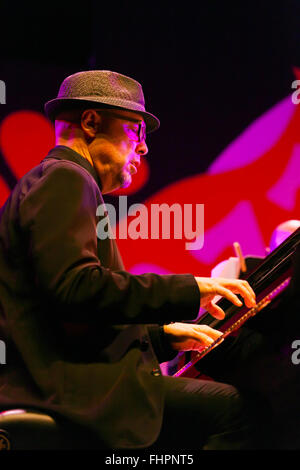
(75, 323)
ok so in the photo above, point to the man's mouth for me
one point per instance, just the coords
(133, 169)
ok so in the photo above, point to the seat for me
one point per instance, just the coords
(31, 429)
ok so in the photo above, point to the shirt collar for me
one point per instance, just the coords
(61, 152)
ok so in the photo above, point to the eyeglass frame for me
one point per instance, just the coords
(141, 135)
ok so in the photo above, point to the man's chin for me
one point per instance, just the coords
(126, 181)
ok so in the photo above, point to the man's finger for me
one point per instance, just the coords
(204, 339)
(215, 311)
(251, 293)
(243, 288)
(228, 294)
(246, 283)
(208, 331)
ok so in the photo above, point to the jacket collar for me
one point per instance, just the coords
(61, 152)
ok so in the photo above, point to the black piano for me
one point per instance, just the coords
(261, 349)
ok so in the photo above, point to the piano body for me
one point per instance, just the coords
(269, 280)
(256, 354)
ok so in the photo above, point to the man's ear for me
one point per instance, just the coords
(90, 123)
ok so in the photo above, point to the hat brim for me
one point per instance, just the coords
(53, 107)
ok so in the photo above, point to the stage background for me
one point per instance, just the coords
(219, 76)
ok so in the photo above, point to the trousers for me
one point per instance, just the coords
(207, 415)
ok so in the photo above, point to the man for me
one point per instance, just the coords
(84, 336)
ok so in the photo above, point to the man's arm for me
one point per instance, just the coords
(58, 216)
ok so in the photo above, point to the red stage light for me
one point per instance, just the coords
(25, 139)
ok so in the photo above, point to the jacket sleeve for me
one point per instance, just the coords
(163, 350)
(58, 220)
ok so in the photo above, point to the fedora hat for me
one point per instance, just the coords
(101, 88)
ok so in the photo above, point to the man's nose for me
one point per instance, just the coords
(141, 148)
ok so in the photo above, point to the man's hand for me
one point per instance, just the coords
(212, 286)
(189, 337)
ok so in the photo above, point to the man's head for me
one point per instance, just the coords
(101, 115)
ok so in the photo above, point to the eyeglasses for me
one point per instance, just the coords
(137, 135)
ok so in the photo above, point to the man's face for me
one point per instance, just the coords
(117, 148)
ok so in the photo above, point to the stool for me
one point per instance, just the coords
(30, 429)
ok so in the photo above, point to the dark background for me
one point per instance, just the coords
(208, 69)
